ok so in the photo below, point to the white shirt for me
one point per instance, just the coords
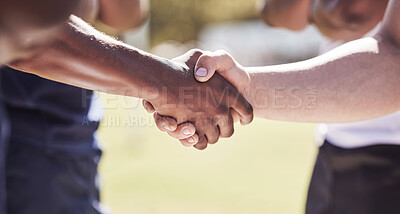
(384, 130)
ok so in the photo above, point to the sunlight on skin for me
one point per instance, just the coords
(344, 65)
(362, 74)
(370, 45)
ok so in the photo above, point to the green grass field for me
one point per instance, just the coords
(264, 168)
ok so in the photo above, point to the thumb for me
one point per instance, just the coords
(205, 68)
(225, 65)
(211, 62)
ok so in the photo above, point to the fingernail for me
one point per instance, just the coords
(191, 140)
(166, 127)
(201, 72)
(187, 132)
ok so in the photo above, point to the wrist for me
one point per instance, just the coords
(247, 84)
(257, 92)
(161, 81)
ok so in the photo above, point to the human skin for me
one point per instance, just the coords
(343, 20)
(122, 15)
(356, 81)
(289, 14)
(116, 16)
(26, 25)
(346, 20)
(74, 53)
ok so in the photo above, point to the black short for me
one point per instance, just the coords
(355, 181)
(48, 182)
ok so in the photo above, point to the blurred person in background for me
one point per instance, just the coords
(53, 153)
(357, 169)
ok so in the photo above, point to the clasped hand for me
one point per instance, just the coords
(197, 109)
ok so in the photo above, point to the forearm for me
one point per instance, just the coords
(357, 81)
(84, 57)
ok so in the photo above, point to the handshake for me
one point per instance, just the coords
(197, 106)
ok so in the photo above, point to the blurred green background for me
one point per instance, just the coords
(264, 168)
(182, 20)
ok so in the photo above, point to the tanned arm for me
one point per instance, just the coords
(28, 24)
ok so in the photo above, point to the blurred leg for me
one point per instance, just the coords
(319, 193)
(363, 180)
(44, 182)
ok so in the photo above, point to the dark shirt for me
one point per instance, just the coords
(47, 114)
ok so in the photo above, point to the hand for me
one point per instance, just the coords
(204, 107)
(222, 62)
(186, 132)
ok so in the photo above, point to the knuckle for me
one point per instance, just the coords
(213, 141)
(213, 137)
(229, 133)
(158, 120)
(224, 54)
(245, 107)
(200, 146)
(221, 112)
(250, 109)
(206, 59)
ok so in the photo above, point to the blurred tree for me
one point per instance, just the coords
(182, 20)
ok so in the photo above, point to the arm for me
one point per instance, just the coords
(83, 57)
(357, 81)
(39, 21)
(27, 24)
(290, 14)
(74, 53)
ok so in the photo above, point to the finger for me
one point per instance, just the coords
(212, 134)
(165, 124)
(235, 115)
(202, 144)
(148, 106)
(226, 126)
(211, 62)
(190, 141)
(243, 108)
(183, 131)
